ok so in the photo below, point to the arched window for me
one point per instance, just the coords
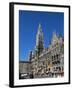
(57, 56)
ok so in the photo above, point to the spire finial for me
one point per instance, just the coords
(39, 25)
(39, 28)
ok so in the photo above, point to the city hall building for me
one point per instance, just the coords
(44, 62)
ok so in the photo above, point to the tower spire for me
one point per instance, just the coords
(39, 39)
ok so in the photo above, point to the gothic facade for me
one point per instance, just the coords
(44, 62)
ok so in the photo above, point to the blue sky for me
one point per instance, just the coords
(28, 27)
